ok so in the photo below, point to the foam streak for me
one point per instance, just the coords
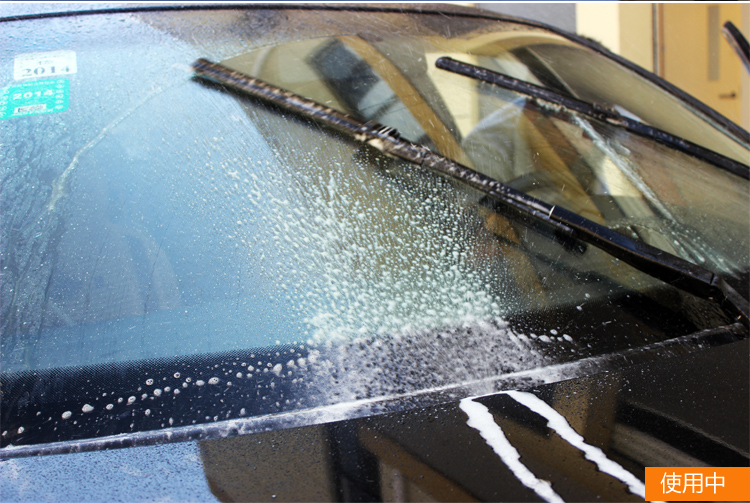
(481, 420)
(558, 423)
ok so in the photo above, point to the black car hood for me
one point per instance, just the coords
(685, 411)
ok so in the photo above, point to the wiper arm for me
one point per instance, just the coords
(595, 111)
(646, 258)
(738, 42)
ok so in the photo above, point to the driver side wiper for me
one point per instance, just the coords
(595, 111)
(646, 258)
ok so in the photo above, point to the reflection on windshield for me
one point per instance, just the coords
(188, 256)
(612, 177)
(585, 75)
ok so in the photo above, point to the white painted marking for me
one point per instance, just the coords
(557, 422)
(481, 420)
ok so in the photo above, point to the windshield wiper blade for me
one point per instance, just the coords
(738, 42)
(646, 258)
(595, 111)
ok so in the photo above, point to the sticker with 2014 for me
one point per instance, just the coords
(35, 97)
(44, 64)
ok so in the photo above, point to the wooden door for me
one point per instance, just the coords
(695, 57)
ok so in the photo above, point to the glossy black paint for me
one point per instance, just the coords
(34, 402)
(146, 395)
(691, 408)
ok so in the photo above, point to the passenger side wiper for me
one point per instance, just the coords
(595, 111)
(738, 42)
(646, 258)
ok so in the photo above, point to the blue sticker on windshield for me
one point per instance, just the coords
(32, 98)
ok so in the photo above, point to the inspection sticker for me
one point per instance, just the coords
(44, 64)
(32, 98)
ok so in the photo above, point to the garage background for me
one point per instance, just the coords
(681, 42)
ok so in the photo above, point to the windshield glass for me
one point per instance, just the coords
(587, 75)
(175, 254)
(631, 184)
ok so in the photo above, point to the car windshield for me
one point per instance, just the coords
(174, 254)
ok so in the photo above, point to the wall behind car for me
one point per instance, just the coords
(693, 53)
(560, 15)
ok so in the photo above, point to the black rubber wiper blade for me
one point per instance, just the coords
(594, 111)
(646, 258)
(738, 42)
